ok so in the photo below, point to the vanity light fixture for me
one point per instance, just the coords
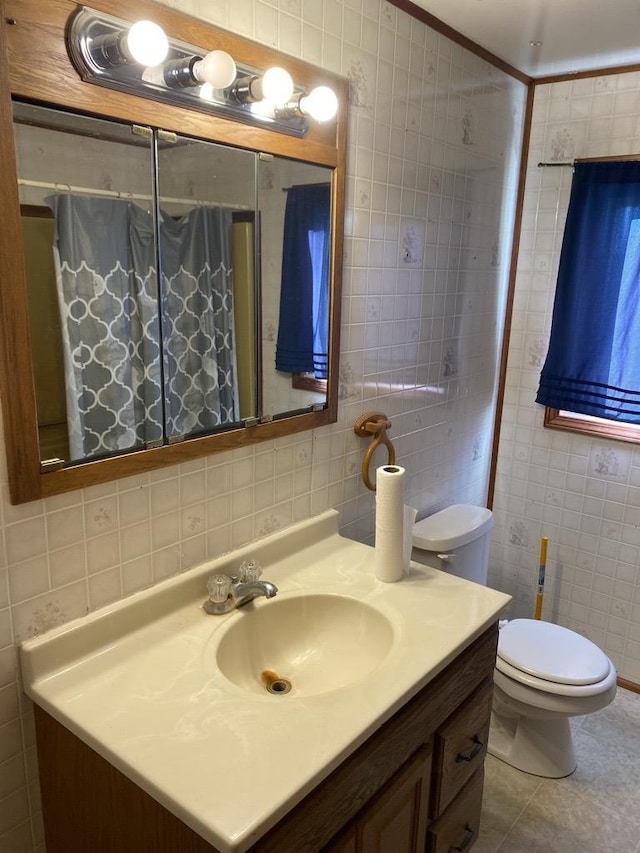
(141, 60)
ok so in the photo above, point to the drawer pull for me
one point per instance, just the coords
(466, 841)
(475, 750)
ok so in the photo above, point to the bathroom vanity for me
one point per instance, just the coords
(155, 732)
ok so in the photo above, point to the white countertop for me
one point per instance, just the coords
(138, 681)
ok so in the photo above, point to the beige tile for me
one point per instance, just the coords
(18, 839)
(9, 709)
(10, 741)
(506, 793)
(67, 565)
(12, 776)
(194, 550)
(193, 523)
(608, 774)
(595, 810)
(14, 810)
(568, 822)
(8, 666)
(618, 723)
(135, 541)
(103, 552)
(101, 516)
(25, 539)
(166, 563)
(65, 527)
(40, 614)
(5, 628)
(136, 574)
(28, 579)
(104, 587)
(165, 530)
(165, 496)
(133, 506)
(193, 488)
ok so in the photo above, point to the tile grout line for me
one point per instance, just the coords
(519, 815)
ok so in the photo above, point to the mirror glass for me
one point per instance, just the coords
(177, 287)
(206, 212)
(294, 199)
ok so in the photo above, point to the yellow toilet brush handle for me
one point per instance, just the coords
(541, 570)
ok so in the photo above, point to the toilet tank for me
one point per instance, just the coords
(455, 539)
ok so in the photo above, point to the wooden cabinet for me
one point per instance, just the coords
(415, 785)
(443, 784)
(395, 821)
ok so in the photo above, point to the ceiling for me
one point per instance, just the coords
(573, 35)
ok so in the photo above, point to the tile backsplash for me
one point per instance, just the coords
(581, 492)
(434, 143)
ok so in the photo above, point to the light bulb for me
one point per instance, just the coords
(321, 103)
(147, 43)
(217, 68)
(277, 85)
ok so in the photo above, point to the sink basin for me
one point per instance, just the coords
(303, 645)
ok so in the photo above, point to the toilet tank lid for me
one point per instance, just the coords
(452, 527)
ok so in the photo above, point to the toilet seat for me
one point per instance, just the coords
(553, 659)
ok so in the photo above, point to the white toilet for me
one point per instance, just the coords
(544, 673)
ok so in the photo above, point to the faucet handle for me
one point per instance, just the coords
(250, 570)
(218, 587)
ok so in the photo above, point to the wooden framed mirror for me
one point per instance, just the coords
(74, 148)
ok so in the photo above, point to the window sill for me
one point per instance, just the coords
(308, 382)
(598, 427)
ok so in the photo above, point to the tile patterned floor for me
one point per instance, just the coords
(595, 810)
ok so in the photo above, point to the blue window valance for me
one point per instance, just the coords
(593, 363)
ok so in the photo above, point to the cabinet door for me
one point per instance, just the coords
(395, 821)
(457, 829)
(345, 842)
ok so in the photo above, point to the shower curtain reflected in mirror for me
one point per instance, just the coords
(135, 377)
(201, 386)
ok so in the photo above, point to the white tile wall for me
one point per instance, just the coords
(584, 494)
(434, 140)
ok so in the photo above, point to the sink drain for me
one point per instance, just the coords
(279, 687)
(275, 684)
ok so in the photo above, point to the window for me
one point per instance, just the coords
(304, 320)
(590, 381)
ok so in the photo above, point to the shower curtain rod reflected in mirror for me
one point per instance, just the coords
(69, 188)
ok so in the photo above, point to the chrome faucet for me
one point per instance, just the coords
(228, 593)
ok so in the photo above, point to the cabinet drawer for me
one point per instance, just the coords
(460, 747)
(457, 829)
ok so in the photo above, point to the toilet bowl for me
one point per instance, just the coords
(544, 673)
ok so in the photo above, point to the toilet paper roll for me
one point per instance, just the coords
(389, 538)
